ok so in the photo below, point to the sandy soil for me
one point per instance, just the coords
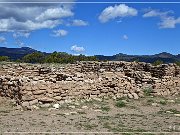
(150, 114)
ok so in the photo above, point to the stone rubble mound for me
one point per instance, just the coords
(30, 84)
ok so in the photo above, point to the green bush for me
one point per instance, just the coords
(147, 91)
(4, 58)
(56, 57)
(177, 63)
(36, 57)
(158, 62)
(163, 102)
(120, 104)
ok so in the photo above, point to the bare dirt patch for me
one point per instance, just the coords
(150, 114)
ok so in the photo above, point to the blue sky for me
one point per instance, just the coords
(142, 29)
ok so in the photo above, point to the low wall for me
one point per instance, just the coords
(52, 83)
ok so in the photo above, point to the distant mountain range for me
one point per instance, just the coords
(164, 56)
(18, 53)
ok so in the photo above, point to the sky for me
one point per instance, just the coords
(91, 28)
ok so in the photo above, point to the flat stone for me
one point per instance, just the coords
(46, 100)
(39, 92)
(57, 98)
(33, 102)
(130, 96)
(56, 106)
(177, 115)
(135, 96)
(25, 104)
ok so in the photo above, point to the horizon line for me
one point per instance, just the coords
(92, 54)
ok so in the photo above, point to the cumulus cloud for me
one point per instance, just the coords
(12, 25)
(77, 49)
(155, 13)
(120, 11)
(21, 34)
(125, 37)
(54, 13)
(29, 17)
(59, 33)
(79, 23)
(20, 43)
(166, 18)
(2, 40)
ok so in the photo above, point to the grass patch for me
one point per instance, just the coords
(4, 111)
(147, 91)
(87, 126)
(174, 111)
(120, 104)
(163, 102)
(105, 108)
(81, 112)
(103, 117)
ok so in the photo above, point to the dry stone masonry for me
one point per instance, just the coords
(31, 84)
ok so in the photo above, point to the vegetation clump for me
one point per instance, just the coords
(157, 62)
(147, 91)
(56, 57)
(120, 104)
(4, 58)
(177, 63)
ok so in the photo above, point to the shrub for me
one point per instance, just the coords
(147, 91)
(158, 62)
(120, 104)
(177, 63)
(4, 58)
(105, 108)
(35, 57)
(163, 102)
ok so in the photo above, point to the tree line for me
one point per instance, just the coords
(61, 57)
(55, 57)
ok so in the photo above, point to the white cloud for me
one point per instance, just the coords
(77, 49)
(121, 10)
(2, 40)
(29, 17)
(166, 19)
(59, 33)
(54, 13)
(155, 13)
(169, 22)
(125, 37)
(79, 23)
(11, 25)
(21, 34)
(20, 43)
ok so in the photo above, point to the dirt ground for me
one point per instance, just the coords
(149, 115)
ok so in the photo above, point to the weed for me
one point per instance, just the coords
(81, 112)
(89, 127)
(147, 91)
(120, 104)
(104, 117)
(163, 102)
(105, 108)
(174, 111)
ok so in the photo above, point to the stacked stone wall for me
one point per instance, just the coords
(34, 83)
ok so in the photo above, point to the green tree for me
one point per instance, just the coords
(177, 63)
(158, 62)
(4, 58)
(35, 57)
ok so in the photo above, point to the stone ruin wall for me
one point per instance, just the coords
(33, 83)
